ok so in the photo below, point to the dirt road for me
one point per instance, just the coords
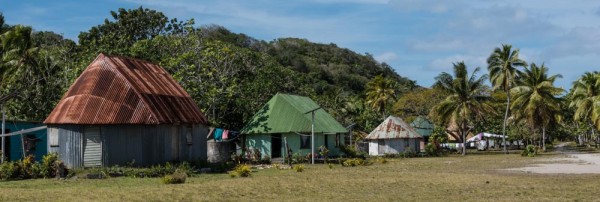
(571, 163)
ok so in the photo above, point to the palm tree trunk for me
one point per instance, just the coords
(544, 138)
(505, 119)
(464, 139)
(594, 135)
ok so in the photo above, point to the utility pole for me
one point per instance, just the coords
(3, 131)
(312, 136)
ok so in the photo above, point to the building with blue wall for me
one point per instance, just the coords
(35, 143)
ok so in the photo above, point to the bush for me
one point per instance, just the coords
(432, 150)
(28, 168)
(530, 151)
(299, 168)
(330, 166)
(241, 170)
(390, 155)
(409, 153)
(9, 170)
(355, 162)
(49, 165)
(381, 160)
(353, 153)
(178, 177)
(297, 158)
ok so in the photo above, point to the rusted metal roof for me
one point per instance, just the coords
(393, 128)
(120, 90)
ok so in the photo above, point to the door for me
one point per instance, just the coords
(381, 146)
(92, 148)
(276, 146)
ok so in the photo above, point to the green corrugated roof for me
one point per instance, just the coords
(287, 113)
(423, 126)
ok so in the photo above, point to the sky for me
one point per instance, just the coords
(418, 38)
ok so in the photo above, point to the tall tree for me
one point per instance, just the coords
(502, 67)
(585, 96)
(465, 103)
(129, 26)
(18, 56)
(536, 98)
(380, 93)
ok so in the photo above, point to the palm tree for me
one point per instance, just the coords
(502, 66)
(381, 92)
(19, 53)
(465, 103)
(585, 96)
(535, 98)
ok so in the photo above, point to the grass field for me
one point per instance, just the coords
(454, 178)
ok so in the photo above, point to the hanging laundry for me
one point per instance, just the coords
(225, 134)
(218, 134)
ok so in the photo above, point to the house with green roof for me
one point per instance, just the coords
(423, 126)
(288, 119)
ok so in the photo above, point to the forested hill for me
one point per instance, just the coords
(229, 75)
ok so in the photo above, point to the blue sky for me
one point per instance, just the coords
(419, 38)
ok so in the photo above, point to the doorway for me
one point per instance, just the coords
(276, 146)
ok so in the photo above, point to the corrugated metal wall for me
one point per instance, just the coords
(70, 141)
(141, 145)
(392, 146)
(92, 147)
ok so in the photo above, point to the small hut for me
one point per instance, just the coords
(289, 118)
(122, 110)
(424, 127)
(393, 136)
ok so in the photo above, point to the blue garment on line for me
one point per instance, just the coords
(218, 134)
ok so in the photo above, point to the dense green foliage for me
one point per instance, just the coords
(229, 75)
(28, 168)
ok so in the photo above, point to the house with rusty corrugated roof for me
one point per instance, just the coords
(123, 110)
(393, 136)
(288, 119)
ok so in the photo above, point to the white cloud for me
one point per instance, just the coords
(386, 57)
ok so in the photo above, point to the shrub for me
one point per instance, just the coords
(297, 158)
(432, 150)
(330, 166)
(355, 162)
(353, 153)
(324, 152)
(178, 177)
(409, 152)
(241, 170)
(381, 160)
(530, 151)
(390, 155)
(299, 168)
(9, 170)
(49, 165)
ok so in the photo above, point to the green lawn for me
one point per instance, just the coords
(454, 178)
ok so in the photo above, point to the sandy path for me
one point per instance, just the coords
(574, 163)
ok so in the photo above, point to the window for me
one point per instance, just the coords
(304, 142)
(337, 140)
(53, 137)
(326, 140)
